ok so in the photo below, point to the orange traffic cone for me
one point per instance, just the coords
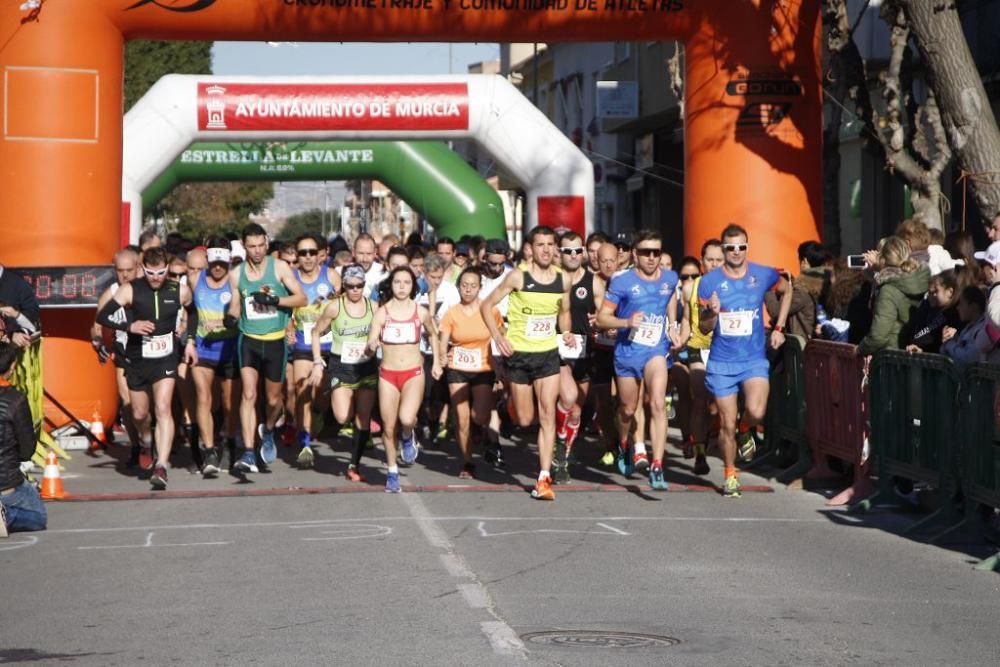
(52, 486)
(97, 430)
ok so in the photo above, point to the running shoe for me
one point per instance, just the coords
(468, 471)
(746, 446)
(701, 465)
(543, 490)
(494, 455)
(442, 434)
(688, 449)
(731, 489)
(145, 458)
(3, 520)
(247, 462)
(560, 472)
(347, 430)
(268, 449)
(671, 408)
(608, 459)
(159, 478)
(656, 479)
(409, 449)
(560, 468)
(626, 465)
(392, 483)
(305, 457)
(353, 475)
(640, 462)
(210, 463)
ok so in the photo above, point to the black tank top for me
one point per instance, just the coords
(157, 306)
(581, 303)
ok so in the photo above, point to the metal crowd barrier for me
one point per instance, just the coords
(834, 376)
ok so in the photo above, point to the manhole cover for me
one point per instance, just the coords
(598, 639)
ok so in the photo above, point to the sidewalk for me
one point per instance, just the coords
(105, 476)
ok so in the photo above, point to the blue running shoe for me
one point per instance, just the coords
(656, 479)
(247, 462)
(392, 483)
(626, 464)
(410, 451)
(268, 450)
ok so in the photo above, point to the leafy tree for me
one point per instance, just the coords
(195, 210)
(203, 209)
(147, 61)
(307, 222)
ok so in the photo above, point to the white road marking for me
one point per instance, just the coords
(475, 595)
(456, 566)
(319, 523)
(610, 531)
(29, 541)
(149, 545)
(502, 638)
(350, 532)
(613, 529)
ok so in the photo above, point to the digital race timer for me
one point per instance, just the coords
(68, 286)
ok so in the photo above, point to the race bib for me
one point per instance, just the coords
(647, 333)
(352, 351)
(567, 352)
(540, 326)
(256, 311)
(736, 323)
(307, 334)
(157, 347)
(399, 333)
(466, 359)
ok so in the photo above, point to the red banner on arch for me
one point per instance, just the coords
(236, 107)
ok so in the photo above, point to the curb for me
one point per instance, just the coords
(374, 488)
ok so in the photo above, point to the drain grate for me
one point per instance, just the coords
(598, 639)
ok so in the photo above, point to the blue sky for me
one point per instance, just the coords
(291, 58)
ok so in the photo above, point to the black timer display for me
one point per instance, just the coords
(68, 286)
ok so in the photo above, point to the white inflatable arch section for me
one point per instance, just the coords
(181, 109)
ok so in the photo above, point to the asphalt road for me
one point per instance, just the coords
(467, 577)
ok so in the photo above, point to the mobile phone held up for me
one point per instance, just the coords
(856, 262)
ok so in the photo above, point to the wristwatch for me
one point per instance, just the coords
(779, 328)
(319, 362)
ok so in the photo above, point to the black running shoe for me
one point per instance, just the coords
(210, 467)
(494, 455)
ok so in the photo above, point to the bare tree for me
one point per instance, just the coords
(964, 107)
(917, 138)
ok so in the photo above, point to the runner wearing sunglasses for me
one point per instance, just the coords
(320, 283)
(539, 299)
(643, 301)
(577, 362)
(215, 342)
(152, 304)
(732, 300)
(353, 376)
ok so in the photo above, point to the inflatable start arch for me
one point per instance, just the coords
(430, 177)
(557, 177)
(752, 104)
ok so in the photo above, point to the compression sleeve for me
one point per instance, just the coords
(104, 316)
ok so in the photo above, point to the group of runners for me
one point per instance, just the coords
(577, 329)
